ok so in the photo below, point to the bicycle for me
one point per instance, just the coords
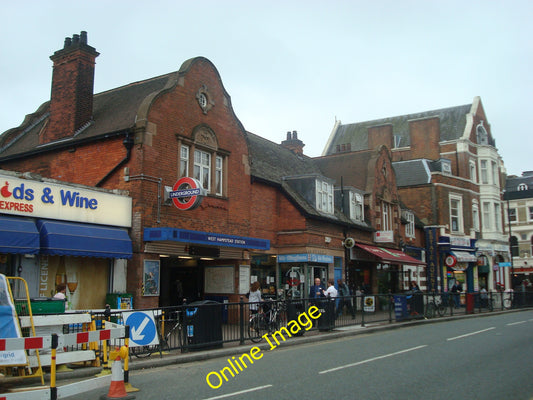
(175, 332)
(435, 306)
(266, 321)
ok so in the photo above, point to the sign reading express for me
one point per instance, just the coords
(187, 193)
(58, 201)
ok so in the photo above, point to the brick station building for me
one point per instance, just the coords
(263, 211)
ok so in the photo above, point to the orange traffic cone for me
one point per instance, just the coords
(117, 390)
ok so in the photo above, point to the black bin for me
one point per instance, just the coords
(294, 309)
(326, 322)
(203, 325)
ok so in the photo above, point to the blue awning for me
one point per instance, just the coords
(18, 235)
(75, 239)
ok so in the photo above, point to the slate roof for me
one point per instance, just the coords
(412, 172)
(113, 111)
(512, 183)
(452, 126)
(271, 163)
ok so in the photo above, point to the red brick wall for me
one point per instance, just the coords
(425, 137)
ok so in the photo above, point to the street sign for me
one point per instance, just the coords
(143, 331)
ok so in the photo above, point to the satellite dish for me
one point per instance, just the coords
(349, 243)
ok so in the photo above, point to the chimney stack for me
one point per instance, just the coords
(293, 143)
(71, 99)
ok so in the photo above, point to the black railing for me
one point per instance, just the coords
(204, 325)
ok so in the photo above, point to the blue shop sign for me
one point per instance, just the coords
(206, 238)
(305, 257)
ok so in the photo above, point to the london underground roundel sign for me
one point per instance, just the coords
(187, 193)
(450, 261)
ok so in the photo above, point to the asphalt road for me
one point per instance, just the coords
(473, 358)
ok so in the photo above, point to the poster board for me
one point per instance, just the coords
(244, 279)
(151, 278)
(220, 279)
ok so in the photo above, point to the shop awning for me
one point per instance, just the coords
(464, 256)
(390, 255)
(18, 235)
(75, 239)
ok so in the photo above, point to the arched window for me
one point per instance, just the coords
(482, 135)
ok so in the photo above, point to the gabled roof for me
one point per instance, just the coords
(452, 127)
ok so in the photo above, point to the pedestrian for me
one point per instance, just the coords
(331, 292)
(414, 287)
(254, 297)
(345, 299)
(316, 292)
(457, 288)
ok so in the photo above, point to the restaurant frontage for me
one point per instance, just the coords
(54, 232)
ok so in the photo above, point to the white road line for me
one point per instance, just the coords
(516, 323)
(372, 359)
(470, 334)
(223, 396)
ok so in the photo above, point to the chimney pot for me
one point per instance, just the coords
(294, 135)
(289, 135)
(75, 38)
(83, 37)
(68, 42)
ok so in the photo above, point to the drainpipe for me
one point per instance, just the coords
(128, 144)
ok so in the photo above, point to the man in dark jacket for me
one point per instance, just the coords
(344, 299)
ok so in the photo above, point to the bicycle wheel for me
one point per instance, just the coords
(141, 351)
(256, 328)
(429, 312)
(442, 310)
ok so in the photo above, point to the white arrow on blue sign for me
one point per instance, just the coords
(143, 331)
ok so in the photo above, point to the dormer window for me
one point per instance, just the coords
(521, 187)
(324, 196)
(356, 207)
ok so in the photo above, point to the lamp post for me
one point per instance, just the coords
(506, 197)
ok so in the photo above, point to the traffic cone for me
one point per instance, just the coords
(117, 389)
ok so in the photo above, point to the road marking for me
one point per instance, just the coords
(372, 359)
(516, 323)
(237, 393)
(470, 334)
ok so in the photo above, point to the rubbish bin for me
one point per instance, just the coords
(470, 303)
(326, 322)
(203, 325)
(400, 307)
(40, 305)
(294, 309)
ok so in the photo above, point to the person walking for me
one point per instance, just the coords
(344, 299)
(254, 298)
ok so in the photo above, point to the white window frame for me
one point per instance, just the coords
(475, 217)
(530, 213)
(324, 196)
(184, 160)
(484, 168)
(512, 215)
(456, 214)
(410, 226)
(219, 175)
(487, 221)
(356, 207)
(386, 216)
(497, 217)
(473, 172)
(495, 178)
(202, 168)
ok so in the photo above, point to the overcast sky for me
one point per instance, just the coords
(295, 65)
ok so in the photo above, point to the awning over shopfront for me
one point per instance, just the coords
(390, 255)
(464, 256)
(18, 235)
(75, 239)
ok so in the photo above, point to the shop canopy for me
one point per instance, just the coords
(464, 256)
(390, 256)
(75, 239)
(18, 235)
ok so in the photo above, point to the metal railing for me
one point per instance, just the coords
(205, 325)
